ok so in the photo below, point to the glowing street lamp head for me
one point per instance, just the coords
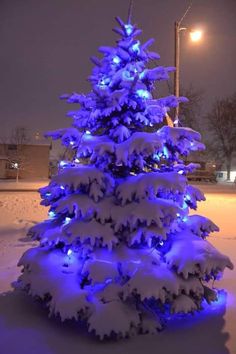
(196, 35)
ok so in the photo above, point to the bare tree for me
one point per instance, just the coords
(14, 149)
(190, 112)
(221, 124)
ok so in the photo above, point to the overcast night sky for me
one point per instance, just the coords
(46, 45)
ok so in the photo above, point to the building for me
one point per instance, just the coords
(27, 161)
(222, 172)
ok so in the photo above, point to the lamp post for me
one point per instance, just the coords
(178, 29)
(195, 36)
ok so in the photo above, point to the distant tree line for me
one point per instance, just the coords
(218, 126)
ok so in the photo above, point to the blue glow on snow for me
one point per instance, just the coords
(216, 308)
(165, 152)
(51, 214)
(128, 29)
(185, 205)
(156, 157)
(141, 75)
(144, 94)
(62, 163)
(126, 75)
(187, 197)
(103, 83)
(69, 252)
(67, 220)
(135, 47)
(116, 60)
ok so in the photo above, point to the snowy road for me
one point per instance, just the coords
(25, 328)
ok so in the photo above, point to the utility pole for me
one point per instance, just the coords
(176, 73)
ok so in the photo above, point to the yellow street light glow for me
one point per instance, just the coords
(196, 35)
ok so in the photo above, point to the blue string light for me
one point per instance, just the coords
(135, 47)
(128, 29)
(144, 94)
(116, 60)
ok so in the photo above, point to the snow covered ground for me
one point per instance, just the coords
(25, 328)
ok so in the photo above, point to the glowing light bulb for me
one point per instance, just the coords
(67, 220)
(196, 35)
(143, 94)
(62, 187)
(135, 47)
(69, 252)
(116, 60)
(161, 243)
(165, 152)
(88, 132)
(128, 29)
(51, 214)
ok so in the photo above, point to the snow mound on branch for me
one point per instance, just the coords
(113, 317)
(84, 207)
(153, 282)
(140, 143)
(148, 185)
(147, 234)
(77, 177)
(103, 266)
(191, 285)
(200, 225)
(184, 139)
(92, 232)
(67, 135)
(183, 304)
(37, 231)
(150, 324)
(57, 275)
(193, 195)
(95, 146)
(76, 231)
(160, 212)
(190, 254)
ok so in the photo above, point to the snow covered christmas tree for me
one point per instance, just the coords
(120, 252)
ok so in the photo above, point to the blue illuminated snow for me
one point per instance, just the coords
(144, 94)
(129, 29)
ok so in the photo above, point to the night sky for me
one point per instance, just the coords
(46, 45)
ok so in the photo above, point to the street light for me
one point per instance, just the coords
(195, 36)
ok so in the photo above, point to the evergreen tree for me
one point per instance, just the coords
(120, 251)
